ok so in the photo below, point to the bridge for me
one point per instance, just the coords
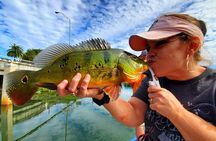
(7, 66)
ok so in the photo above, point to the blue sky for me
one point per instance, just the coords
(34, 24)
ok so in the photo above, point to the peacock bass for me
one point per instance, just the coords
(108, 69)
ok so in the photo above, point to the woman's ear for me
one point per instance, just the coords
(195, 43)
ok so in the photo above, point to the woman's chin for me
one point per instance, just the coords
(158, 73)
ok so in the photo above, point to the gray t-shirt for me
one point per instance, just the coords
(197, 95)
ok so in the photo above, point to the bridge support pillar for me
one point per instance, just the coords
(5, 100)
(7, 122)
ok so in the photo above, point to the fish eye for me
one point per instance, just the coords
(24, 80)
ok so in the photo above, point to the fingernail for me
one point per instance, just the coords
(87, 76)
(65, 81)
(77, 76)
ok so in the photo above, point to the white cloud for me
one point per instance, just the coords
(33, 24)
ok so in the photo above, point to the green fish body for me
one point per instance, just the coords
(107, 67)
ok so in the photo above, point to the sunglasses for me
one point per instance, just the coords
(163, 42)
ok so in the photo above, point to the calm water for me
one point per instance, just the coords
(84, 121)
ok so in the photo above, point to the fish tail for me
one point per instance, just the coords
(20, 86)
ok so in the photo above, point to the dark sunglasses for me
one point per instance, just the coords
(160, 43)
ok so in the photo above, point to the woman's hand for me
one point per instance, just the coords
(164, 102)
(65, 88)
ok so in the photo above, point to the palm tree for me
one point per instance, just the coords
(30, 54)
(15, 51)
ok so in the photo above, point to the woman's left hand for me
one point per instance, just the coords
(164, 102)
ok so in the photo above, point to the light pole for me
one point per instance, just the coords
(69, 20)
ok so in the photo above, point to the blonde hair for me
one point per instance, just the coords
(199, 23)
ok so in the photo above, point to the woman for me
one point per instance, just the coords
(184, 107)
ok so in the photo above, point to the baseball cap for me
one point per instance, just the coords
(164, 27)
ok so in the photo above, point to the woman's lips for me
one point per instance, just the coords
(151, 61)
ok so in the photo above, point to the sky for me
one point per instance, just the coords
(34, 23)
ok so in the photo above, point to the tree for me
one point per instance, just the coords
(30, 54)
(15, 51)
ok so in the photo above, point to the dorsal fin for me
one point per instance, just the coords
(93, 44)
(53, 52)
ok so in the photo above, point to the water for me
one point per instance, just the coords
(84, 121)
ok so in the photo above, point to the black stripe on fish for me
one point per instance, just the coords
(87, 57)
(106, 56)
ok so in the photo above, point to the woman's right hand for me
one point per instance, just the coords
(65, 88)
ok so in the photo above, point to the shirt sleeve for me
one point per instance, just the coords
(141, 92)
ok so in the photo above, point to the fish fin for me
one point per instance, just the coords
(135, 85)
(53, 52)
(6, 101)
(93, 44)
(113, 91)
(50, 86)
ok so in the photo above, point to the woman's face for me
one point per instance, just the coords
(167, 57)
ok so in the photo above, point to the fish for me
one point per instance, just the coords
(108, 68)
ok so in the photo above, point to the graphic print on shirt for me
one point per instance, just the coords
(203, 110)
(164, 129)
